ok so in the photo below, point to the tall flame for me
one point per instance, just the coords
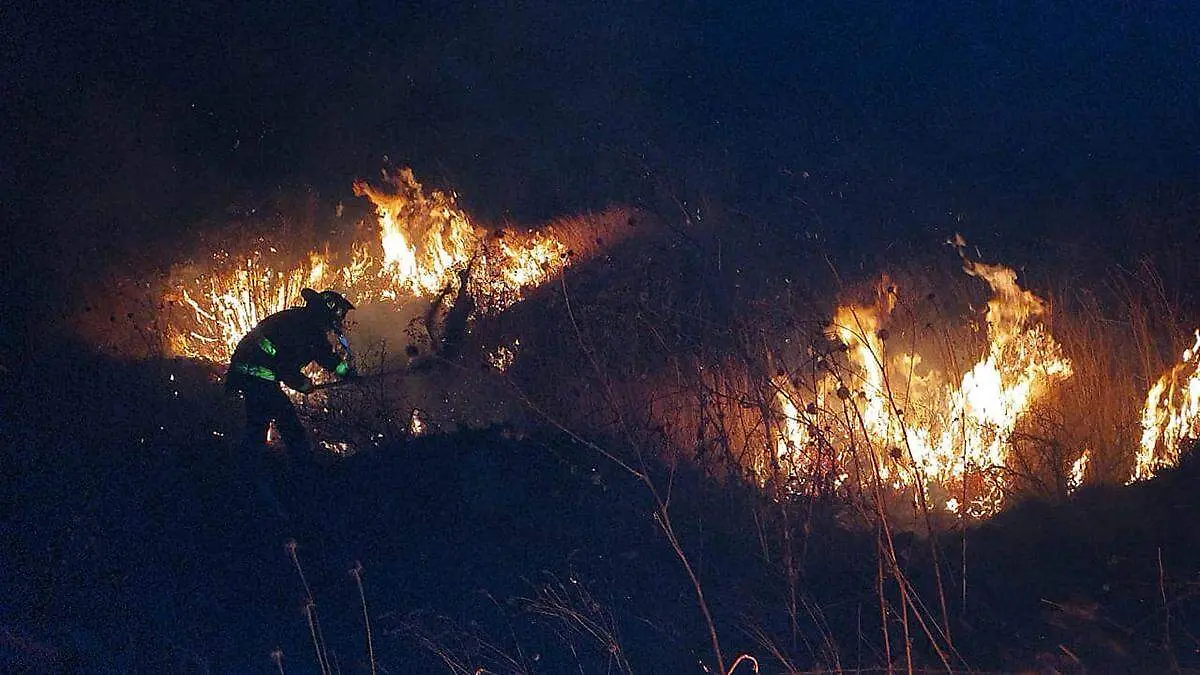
(1171, 415)
(423, 236)
(949, 442)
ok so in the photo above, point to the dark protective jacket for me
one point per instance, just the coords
(281, 345)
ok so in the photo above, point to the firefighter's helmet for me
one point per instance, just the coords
(333, 305)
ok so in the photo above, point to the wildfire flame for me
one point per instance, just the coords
(422, 236)
(1171, 415)
(227, 305)
(947, 442)
(425, 246)
(1078, 471)
(874, 415)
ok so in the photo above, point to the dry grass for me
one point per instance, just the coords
(683, 367)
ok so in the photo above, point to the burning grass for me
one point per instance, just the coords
(906, 391)
(420, 246)
(923, 400)
(905, 388)
(1171, 415)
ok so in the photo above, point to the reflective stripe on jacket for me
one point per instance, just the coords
(282, 344)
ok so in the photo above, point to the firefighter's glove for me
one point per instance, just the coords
(345, 371)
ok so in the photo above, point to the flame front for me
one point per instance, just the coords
(1171, 415)
(423, 236)
(951, 443)
(424, 246)
(873, 418)
(226, 306)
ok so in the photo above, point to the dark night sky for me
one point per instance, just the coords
(126, 123)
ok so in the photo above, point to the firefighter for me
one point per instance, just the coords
(275, 352)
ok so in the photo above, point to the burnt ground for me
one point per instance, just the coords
(134, 541)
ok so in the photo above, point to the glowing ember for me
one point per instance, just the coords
(416, 426)
(503, 356)
(339, 448)
(1171, 415)
(951, 443)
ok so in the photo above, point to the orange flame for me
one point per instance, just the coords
(423, 236)
(226, 306)
(1171, 415)
(949, 442)
(944, 434)
(424, 242)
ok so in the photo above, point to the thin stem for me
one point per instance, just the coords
(356, 572)
(310, 608)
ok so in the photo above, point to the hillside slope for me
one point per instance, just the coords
(135, 541)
